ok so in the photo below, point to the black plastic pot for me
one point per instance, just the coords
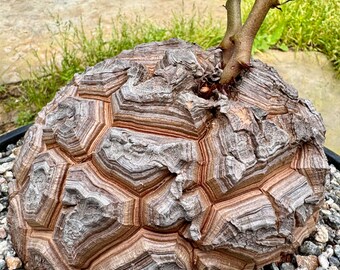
(12, 137)
(15, 135)
(332, 158)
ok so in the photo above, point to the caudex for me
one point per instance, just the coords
(238, 39)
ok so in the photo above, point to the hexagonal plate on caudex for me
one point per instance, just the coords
(236, 145)
(42, 255)
(220, 261)
(141, 160)
(95, 213)
(74, 124)
(63, 93)
(232, 224)
(40, 196)
(101, 80)
(148, 250)
(31, 147)
(166, 103)
(163, 211)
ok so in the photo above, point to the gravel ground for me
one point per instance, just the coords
(321, 251)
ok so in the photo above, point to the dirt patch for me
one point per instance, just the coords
(24, 24)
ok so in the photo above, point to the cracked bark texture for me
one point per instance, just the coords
(134, 166)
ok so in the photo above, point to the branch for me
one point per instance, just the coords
(234, 25)
(243, 40)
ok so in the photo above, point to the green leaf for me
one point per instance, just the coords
(283, 47)
(276, 34)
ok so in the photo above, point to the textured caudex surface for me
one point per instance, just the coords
(145, 162)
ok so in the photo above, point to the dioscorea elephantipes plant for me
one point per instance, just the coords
(141, 162)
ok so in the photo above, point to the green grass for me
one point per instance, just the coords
(301, 25)
(304, 25)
